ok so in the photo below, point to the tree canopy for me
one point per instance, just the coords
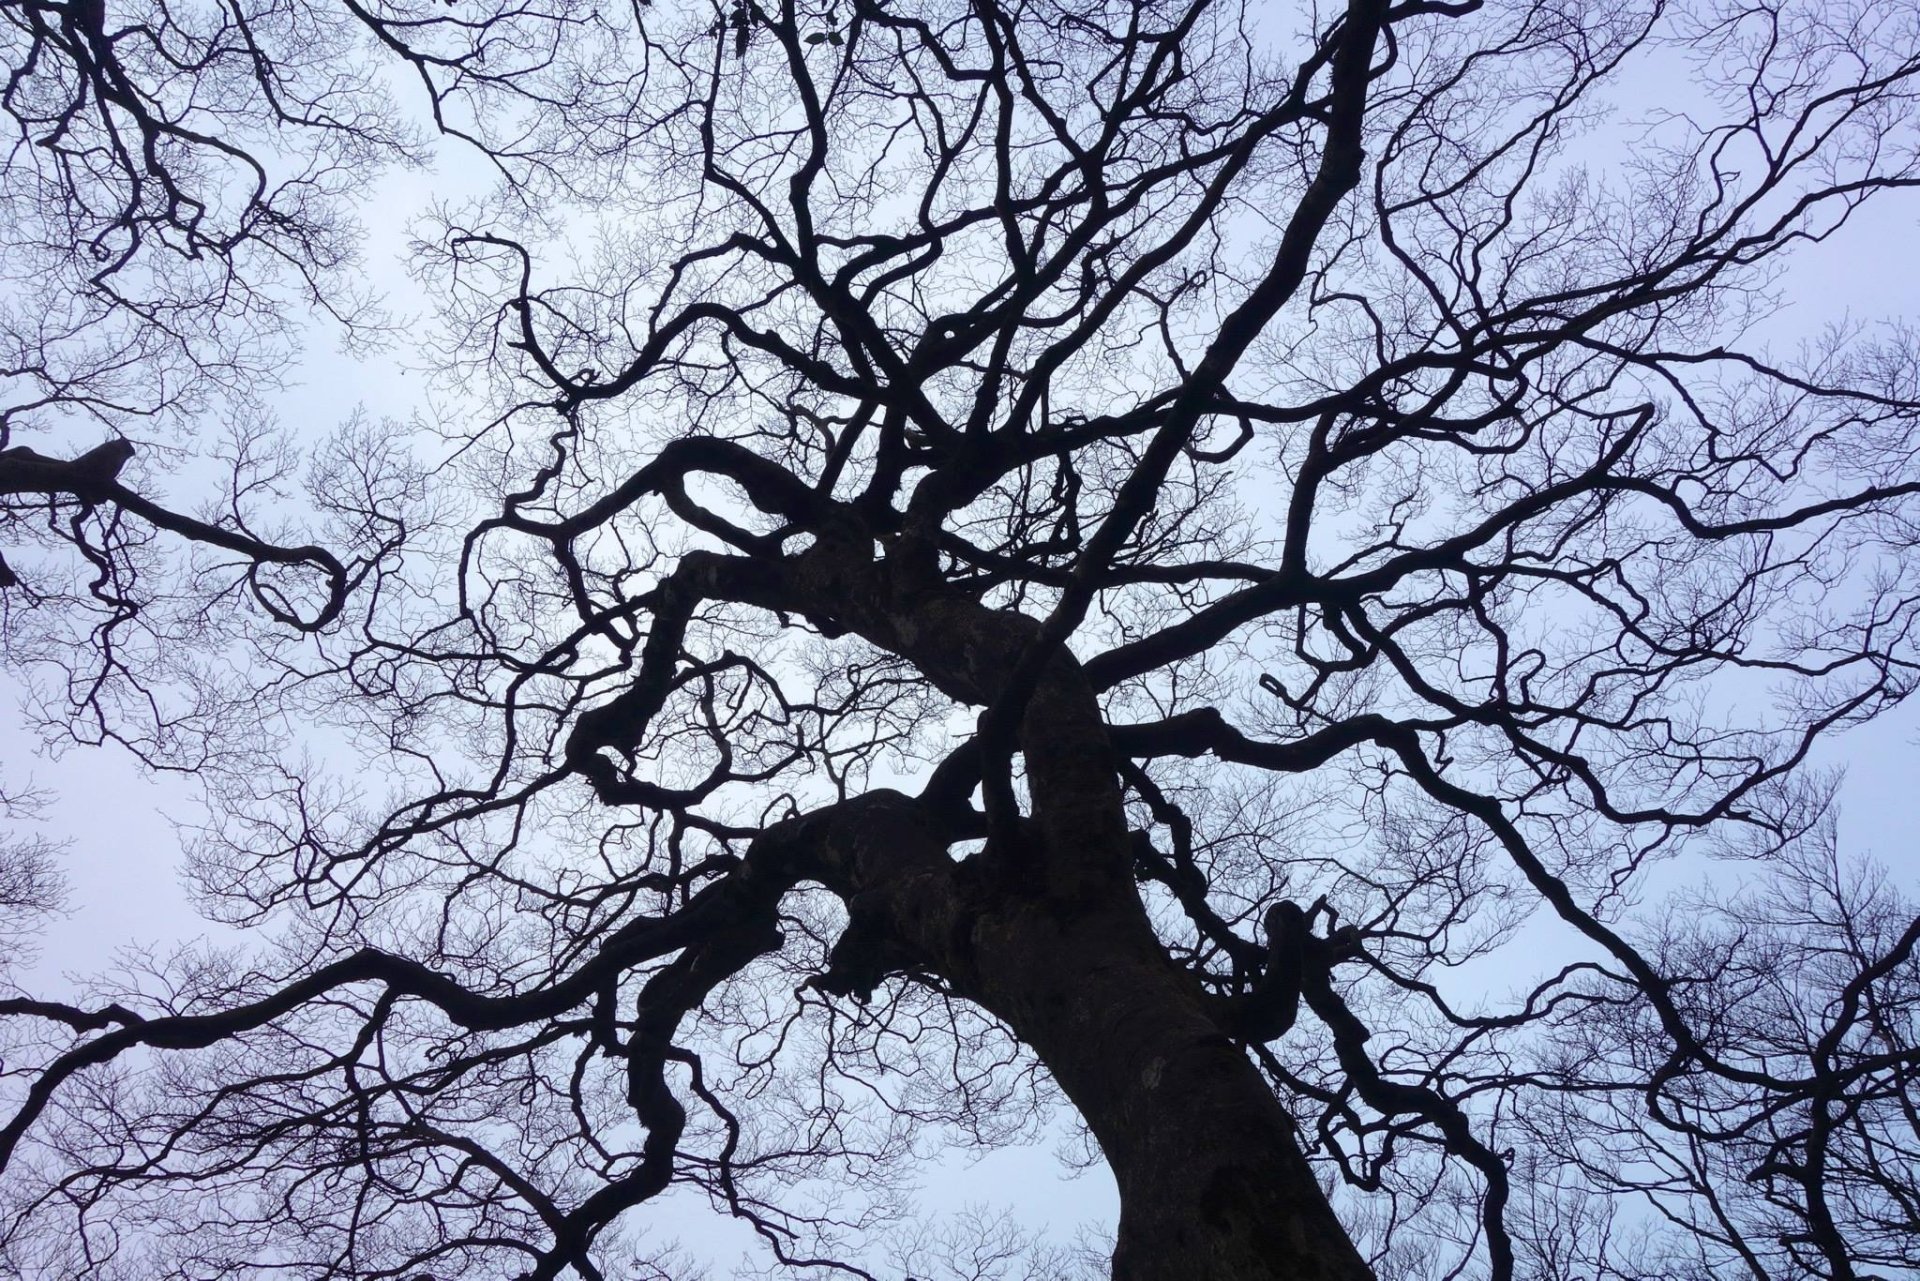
(1265, 584)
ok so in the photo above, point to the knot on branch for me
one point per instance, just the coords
(866, 952)
(1295, 955)
(24, 470)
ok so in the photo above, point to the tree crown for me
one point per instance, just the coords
(971, 554)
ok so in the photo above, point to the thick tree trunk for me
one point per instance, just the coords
(1213, 1186)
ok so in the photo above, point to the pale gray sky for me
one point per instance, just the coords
(124, 860)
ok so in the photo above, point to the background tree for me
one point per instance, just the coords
(1266, 572)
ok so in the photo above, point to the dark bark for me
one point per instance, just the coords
(1212, 1182)
(1211, 1179)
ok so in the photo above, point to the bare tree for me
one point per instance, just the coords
(1271, 576)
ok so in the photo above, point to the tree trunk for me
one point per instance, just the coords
(1052, 937)
(1212, 1182)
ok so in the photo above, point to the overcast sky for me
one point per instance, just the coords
(123, 856)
